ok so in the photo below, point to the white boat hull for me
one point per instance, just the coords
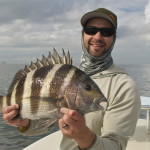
(50, 142)
(141, 138)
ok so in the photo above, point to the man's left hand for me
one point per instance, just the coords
(73, 126)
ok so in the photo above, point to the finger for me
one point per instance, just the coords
(10, 108)
(68, 112)
(72, 113)
(16, 122)
(9, 116)
(66, 121)
(69, 120)
(61, 123)
(65, 110)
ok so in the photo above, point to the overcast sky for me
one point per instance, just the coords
(30, 28)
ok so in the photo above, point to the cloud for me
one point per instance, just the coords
(147, 12)
(33, 10)
(29, 29)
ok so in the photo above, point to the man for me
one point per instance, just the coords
(101, 130)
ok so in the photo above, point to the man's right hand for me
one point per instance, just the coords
(9, 114)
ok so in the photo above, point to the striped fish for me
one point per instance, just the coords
(44, 87)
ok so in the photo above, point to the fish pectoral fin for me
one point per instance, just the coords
(45, 123)
(70, 99)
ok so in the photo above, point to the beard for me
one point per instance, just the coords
(96, 47)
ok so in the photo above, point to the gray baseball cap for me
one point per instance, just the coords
(100, 12)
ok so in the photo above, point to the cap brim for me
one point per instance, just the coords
(91, 15)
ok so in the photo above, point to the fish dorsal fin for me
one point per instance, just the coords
(52, 59)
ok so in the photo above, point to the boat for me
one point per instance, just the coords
(3, 62)
(50, 142)
(140, 140)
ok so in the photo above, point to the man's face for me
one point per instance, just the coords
(97, 44)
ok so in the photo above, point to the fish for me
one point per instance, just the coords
(42, 88)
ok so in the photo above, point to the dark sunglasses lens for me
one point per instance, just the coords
(90, 30)
(106, 32)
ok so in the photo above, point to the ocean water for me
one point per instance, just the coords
(10, 139)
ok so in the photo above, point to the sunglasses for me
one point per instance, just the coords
(105, 32)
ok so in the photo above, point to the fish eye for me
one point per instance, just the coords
(88, 87)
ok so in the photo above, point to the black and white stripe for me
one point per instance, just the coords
(26, 95)
(40, 87)
(37, 85)
(54, 85)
